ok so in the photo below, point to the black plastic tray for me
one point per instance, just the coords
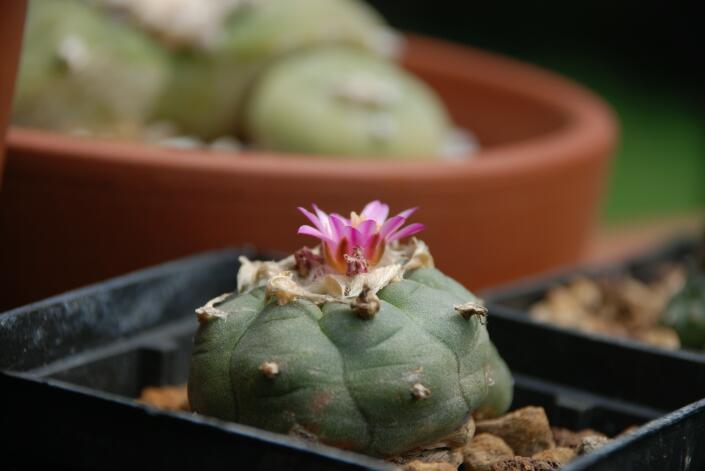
(649, 376)
(71, 366)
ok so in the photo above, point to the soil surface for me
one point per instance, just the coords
(521, 440)
(166, 397)
(618, 305)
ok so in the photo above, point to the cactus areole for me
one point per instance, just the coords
(358, 343)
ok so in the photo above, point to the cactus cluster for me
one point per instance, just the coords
(209, 86)
(313, 76)
(359, 343)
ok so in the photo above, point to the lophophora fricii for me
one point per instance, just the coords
(359, 343)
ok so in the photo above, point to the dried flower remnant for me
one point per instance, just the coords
(209, 311)
(307, 262)
(469, 309)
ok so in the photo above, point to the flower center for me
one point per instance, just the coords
(356, 263)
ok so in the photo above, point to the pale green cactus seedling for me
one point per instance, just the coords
(82, 70)
(338, 101)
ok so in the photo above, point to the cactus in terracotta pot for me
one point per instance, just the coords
(84, 70)
(343, 102)
(111, 66)
(685, 312)
(214, 66)
(358, 343)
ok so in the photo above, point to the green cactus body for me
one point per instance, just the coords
(207, 87)
(685, 312)
(204, 95)
(340, 101)
(274, 27)
(406, 378)
(84, 69)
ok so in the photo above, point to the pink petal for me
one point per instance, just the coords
(325, 222)
(338, 224)
(322, 215)
(411, 229)
(376, 210)
(355, 237)
(405, 214)
(311, 217)
(367, 228)
(345, 232)
(308, 230)
(391, 225)
(342, 218)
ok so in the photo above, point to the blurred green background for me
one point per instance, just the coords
(643, 58)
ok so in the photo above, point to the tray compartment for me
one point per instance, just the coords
(72, 366)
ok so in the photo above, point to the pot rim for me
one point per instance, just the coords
(589, 129)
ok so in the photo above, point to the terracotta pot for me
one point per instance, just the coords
(76, 210)
(11, 25)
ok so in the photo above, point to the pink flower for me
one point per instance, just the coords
(365, 234)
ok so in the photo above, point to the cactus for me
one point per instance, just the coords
(204, 94)
(359, 343)
(84, 70)
(208, 84)
(685, 312)
(92, 65)
(340, 101)
(306, 76)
